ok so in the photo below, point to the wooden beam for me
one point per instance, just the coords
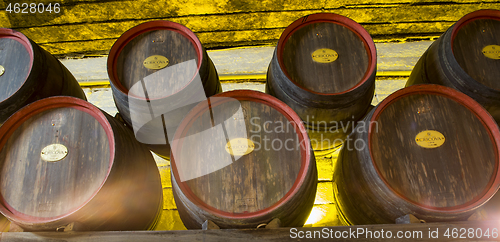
(92, 27)
(423, 232)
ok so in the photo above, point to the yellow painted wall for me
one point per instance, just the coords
(92, 26)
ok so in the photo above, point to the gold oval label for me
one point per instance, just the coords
(240, 146)
(155, 62)
(324, 55)
(492, 52)
(430, 139)
(54, 152)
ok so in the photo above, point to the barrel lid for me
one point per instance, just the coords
(240, 154)
(55, 156)
(160, 56)
(436, 148)
(16, 60)
(476, 46)
(326, 54)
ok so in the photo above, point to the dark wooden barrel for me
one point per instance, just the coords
(466, 57)
(159, 70)
(243, 162)
(29, 73)
(426, 150)
(324, 68)
(63, 160)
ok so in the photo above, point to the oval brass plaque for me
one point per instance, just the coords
(240, 146)
(324, 55)
(155, 62)
(492, 52)
(430, 139)
(2, 70)
(54, 152)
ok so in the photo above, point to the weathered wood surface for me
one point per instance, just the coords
(334, 77)
(384, 173)
(153, 101)
(450, 175)
(456, 61)
(271, 181)
(89, 184)
(93, 26)
(307, 85)
(15, 61)
(257, 180)
(170, 44)
(29, 74)
(415, 232)
(468, 44)
(52, 189)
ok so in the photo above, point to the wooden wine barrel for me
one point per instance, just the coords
(324, 68)
(243, 162)
(426, 150)
(159, 70)
(65, 161)
(467, 58)
(29, 73)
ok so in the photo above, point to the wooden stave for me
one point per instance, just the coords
(127, 152)
(439, 62)
(207, 73)
(291, 213)
(379, 204)
(349, 106)
(46, 73)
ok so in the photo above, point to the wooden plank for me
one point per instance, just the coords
(253, 28)
(256, 6)
(84, 12)
(86, 27)
(421, 232)
(385, 3)
(111, 31)
(252, 37)
(104, 11)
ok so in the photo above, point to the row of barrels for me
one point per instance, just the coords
(243, 158)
